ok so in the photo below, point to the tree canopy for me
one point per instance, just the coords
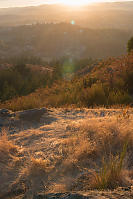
(130, 45)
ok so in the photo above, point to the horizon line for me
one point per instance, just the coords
(58, 3)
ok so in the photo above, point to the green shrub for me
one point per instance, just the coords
(130, 45)
(19, 80)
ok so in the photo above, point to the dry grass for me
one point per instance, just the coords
(34, 176)
(90, 153)
(9, 161)
(8, 150)
(93, 141)
(111, 174)
(36, 167)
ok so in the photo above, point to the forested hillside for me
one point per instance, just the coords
(53, 41)
(111, 15)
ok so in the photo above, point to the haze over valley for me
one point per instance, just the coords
(66, 99)
(52, 31)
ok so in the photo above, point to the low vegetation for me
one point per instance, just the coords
(103, 147)
(110, 175)
(9, 162)
(19, 79)
(93, 154)
(130, 45)
(23, 75)
(107, 82)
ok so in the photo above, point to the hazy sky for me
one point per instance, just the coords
(14, 3)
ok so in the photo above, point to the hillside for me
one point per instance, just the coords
(102, 83)
(115, 15)
(54, 41)
(98, 30)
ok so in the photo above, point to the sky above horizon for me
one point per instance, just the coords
(16, 3)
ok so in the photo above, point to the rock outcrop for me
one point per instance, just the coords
(9, 118)
(31, 115)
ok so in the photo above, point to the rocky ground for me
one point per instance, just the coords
(39, 133)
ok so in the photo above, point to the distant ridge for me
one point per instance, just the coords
(98, 15)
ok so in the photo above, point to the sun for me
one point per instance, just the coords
(75, 2)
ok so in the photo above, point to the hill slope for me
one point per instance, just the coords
(53, 41)
(98, 15)
(107, 82)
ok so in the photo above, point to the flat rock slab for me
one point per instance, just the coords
(22, 118)
(31, 115)
(5, 113)
(1, 122)
(61, 196)
(90, 195)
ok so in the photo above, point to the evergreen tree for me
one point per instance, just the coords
(130, 45)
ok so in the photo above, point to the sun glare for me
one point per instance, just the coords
(75, 2)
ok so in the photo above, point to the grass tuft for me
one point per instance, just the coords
(110, 175)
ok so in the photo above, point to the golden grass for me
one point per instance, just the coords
(111, 173)
(95, 140)
(9, 163)
(33, 176)
(37, 167)
(7, 148)
(92, 155)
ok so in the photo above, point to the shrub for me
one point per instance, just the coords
(130, 45)
(19, 80)
(118, 97)
(94, 95)
(7, 149)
